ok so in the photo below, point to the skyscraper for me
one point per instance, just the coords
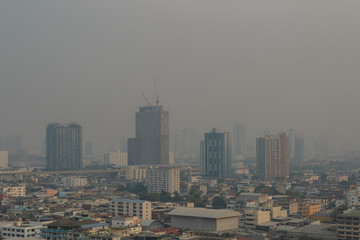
(151, 142)
(239, 135)
(299, 151)
(215, 154)
(63, 146)
(272, 153)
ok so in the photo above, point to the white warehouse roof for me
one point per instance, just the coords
(203, 213)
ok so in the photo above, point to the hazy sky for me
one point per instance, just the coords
(269, 64)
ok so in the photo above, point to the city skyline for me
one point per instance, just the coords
(270, 68)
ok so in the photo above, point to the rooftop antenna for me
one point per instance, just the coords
(156, 92)
(148, 103)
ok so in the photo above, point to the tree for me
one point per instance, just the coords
(219, 203)
(165, 197)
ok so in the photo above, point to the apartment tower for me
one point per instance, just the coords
(215, 154)
(272, 153)
(63, 146)
(151, 143)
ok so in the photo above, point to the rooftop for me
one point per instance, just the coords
(203, 213)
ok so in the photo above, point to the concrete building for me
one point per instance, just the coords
(151, 143)
(163, 179)
(206, 220)
(253, 217)
(272, 154)
(308, 209)
(135, 173)
(116, 158)
(215, 154)
(138, 208)
(239, 137)
(257, 197)
(4, 159)
(348, 225)
(124, 221)
(21, 230)
(15, 191)
(63, 146)
(74, 181)
(352, 198)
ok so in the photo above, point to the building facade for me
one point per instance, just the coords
(239, 139)
(4, 159)
(137, 208)
(63, 146)
(151, 143)
(215, 154)
(116, 158)
(272, 154)
(348, 225)
(163, 179)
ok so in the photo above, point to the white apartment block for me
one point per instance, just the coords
(21, 230)
(135, 173)
(116, 158)
(18, 191)
(163, 179)
(4, 159)
(127, 207)
(74, 181)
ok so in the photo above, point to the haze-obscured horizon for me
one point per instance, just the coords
(271, 65)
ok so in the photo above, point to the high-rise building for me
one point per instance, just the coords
(215, 154)
(296, 148)
(116, 158)
(151, 144)
(163, 179)
(299, 151)
(272, 153)
(88, 148)
(292, 135)
(239, 138)
(12, 144)
(4, 159)
(63, 146)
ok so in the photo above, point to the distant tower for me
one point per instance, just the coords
(272, 154)
(215, 154)
(63, 146)
(239, 136)
(292, 134)
(88, 148)
(151, 143)
(299, 150)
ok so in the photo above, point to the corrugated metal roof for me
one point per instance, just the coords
(203, 213)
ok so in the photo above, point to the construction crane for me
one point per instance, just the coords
(156, 92)
(148, 103)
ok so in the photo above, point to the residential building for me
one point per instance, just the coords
(74, 181)
(63, 146)
(124, 221)
(138, 208)
(163, 179)
(151, 143)
(308, 209)
(4, 159)
(72, 229)
(272, 154)
(21, 230)
(348, 225)
(352, 198)
(135, 173)
(88, 148)
(205, 220)
(215, 154)
(15, 191)
(299, 151)
(239, 137)
(253, 217)
(116, 158)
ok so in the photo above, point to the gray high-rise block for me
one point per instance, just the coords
(151, 143)
(63, 146)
